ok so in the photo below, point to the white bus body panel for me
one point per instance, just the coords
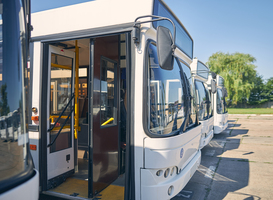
(152, 189)
(207, 131)
(220, 122)
(87, 16)
(180, 152)
(167, 149)
(34, 137)
(28, 190)
(93, 14)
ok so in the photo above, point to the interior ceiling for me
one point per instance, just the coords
(83, 49)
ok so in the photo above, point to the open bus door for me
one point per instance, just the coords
(60, 115)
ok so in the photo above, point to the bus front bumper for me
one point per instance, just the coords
(167, 187)
(206, 140)
(220, 128)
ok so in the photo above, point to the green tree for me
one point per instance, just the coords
(239, 73)
(268, 91)
(258, 92)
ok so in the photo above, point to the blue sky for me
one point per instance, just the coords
(229, 26)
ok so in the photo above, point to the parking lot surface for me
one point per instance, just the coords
(237, 163)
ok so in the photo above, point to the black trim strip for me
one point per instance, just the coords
(129, 193)
(90, 119)
(43, 117)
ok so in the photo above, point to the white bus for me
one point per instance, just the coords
(220, 107)
(114, 113)
(205, 88)
(18, 178)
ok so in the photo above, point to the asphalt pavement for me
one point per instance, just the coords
(237, 164)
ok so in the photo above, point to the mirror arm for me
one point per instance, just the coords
(136, 30)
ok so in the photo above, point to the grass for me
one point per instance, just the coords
(250, 111)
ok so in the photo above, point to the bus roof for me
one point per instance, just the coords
(93, 14)
(100, 17)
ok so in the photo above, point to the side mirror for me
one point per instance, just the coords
(165, 48)
(213, 75)
(224, 91)
(213, 86)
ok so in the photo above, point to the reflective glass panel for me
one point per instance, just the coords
(182, 40)
(60, 95)
(108, 102)
(201, 100)
(202, 70)
(14, 136)
(189, 79)
(219, 101)
(166, 99)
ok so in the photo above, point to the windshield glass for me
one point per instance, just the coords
(220, 101)
(209, 105)
(166, 98)
(189, 79)
(201, 100)
(14, 138)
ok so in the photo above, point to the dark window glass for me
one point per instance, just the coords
(193, 111)
(219, 101)
(201, 100)
(108, 92)
(209, 103)
(14, 137)
(166, 99)
(202, 70)
(182, 40)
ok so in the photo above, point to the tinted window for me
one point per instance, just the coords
(165, 96)
(209, 103)
(182, 40)
(202, 70)
(14, 138)
(219, 102)
(201, 100)
(191, 88)
(108, 92)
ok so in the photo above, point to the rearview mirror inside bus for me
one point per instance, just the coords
(164, 48)
(213, 86)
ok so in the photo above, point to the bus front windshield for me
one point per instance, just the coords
(166, 100)
(14, 139)
(220, 101)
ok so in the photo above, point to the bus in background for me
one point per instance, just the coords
(114, 113)
(205, 87)
(220, 106)
(18, 178)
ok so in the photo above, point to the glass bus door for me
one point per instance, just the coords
(60, 135)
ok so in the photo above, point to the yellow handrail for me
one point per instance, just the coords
(60, 66)
(52, 117)
(108, 121)
(58, 127)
